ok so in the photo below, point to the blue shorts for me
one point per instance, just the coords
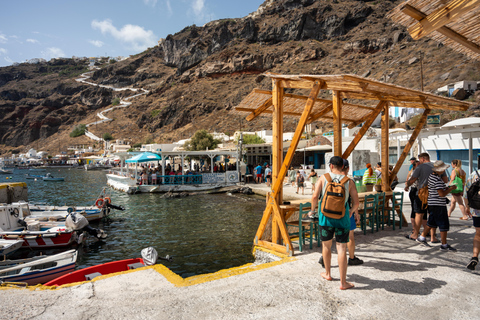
(438, 217)
(353, 224)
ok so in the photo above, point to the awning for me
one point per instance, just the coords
(144, 157)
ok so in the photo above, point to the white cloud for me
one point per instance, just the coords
(136, 37)
(3, 38)
(151, 3)
(198, 7)
(96, 43)
(169, 8)
(52, 53)
(8, 59)
(32, 40)
(3, 51)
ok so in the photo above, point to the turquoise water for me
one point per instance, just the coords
(203, 233)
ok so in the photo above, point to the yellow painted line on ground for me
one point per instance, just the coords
(175, 279)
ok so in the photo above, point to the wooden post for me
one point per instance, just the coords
(277, 146)
(337, 123)
(385, 153)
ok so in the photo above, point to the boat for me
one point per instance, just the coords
(39, 270)
(33, 176)
(149, 257)
(36, 234)
(5, 171)
(128, 179)
(49, 177)
(9, 246)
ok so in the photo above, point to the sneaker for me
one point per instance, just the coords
(355, 261)
(424, 241)
(472, 264)
(447, 248)
(321, 261)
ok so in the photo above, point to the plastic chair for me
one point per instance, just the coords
(303, 226)
(397, 204)
(368, 213)
(380, 210)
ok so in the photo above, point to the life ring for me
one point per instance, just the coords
(108, 200)
(99, 203)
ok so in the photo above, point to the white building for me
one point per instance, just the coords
(468, 86)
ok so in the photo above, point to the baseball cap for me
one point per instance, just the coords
(413, 158)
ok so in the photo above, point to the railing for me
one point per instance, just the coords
(185, 179)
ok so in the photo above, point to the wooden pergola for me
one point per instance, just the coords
(456, 23)
(376, 98)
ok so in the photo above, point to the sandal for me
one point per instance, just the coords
(409, 238)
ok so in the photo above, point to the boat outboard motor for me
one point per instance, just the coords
(76, 221)
(109, 205)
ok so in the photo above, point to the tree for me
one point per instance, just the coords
(107, 136)
(116, 101)
(78, 131)
(252, 139)
(201, 140)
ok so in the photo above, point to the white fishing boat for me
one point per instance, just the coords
(49, 177)
(39, 270)
(184, 179)
(9, 246)
(5, 171)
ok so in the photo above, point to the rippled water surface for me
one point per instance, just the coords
(204, 233)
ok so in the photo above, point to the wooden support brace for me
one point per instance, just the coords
(371, 117)
(409, 144)
(267, 104)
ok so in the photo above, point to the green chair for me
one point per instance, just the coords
(303, 227)
(368, 213)
(380, 210)
(397, 204)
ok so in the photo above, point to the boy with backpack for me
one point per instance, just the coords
(472, 195)
(333, 190)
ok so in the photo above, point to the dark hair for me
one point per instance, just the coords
(336, 161)
(345, 163)
(379, 164)
(424, 155)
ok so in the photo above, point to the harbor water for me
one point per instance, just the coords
(203, 233)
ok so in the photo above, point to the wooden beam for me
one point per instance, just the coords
(447, 32)
(277, 145)
(441, 17)
(385, 147)
(371, 117)
(267, 104)
(274, 247)
(318, 115)
(408, 146)
(337, 123)
(296, 84)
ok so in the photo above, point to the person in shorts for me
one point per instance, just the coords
(300, 182)
(474, 176)
(258, 172)
(437, 205)
(340, 228)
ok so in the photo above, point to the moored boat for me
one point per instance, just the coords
(9, 246)
(39, 270)
(49, 177)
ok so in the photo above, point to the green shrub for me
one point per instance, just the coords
(137, 145)
(107, 136)
(116, 101)
(78, 131)
(251, 139)
(154, 113)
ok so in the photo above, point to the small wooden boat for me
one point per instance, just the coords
(90, 273)
(39, 270)
(9, 246)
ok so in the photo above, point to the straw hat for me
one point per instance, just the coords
(440, 166)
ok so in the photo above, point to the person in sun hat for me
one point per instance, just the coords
(437, 205)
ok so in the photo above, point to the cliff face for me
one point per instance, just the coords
(196, 76)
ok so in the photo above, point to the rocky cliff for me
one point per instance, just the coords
(197, 75)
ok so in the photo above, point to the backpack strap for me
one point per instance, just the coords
(328, 177)
(344, 180)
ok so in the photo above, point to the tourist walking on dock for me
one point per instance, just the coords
(473, 179)
(300, 182)
(412, 194)
(313, 179)
(258, 172)
(458, 178)
(421, 173)
(268, 175)
(437, 205)
(292, 176)
(338, 227)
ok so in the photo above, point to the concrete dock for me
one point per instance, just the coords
(400, 279)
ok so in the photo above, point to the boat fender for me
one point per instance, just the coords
(99, 203)
(149, 256)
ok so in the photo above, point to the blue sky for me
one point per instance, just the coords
(84, 28)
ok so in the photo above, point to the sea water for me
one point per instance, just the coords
(203, 233)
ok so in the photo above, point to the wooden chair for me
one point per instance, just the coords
(303, 227)
(380, 210)
(397, 204)
(368, 213)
